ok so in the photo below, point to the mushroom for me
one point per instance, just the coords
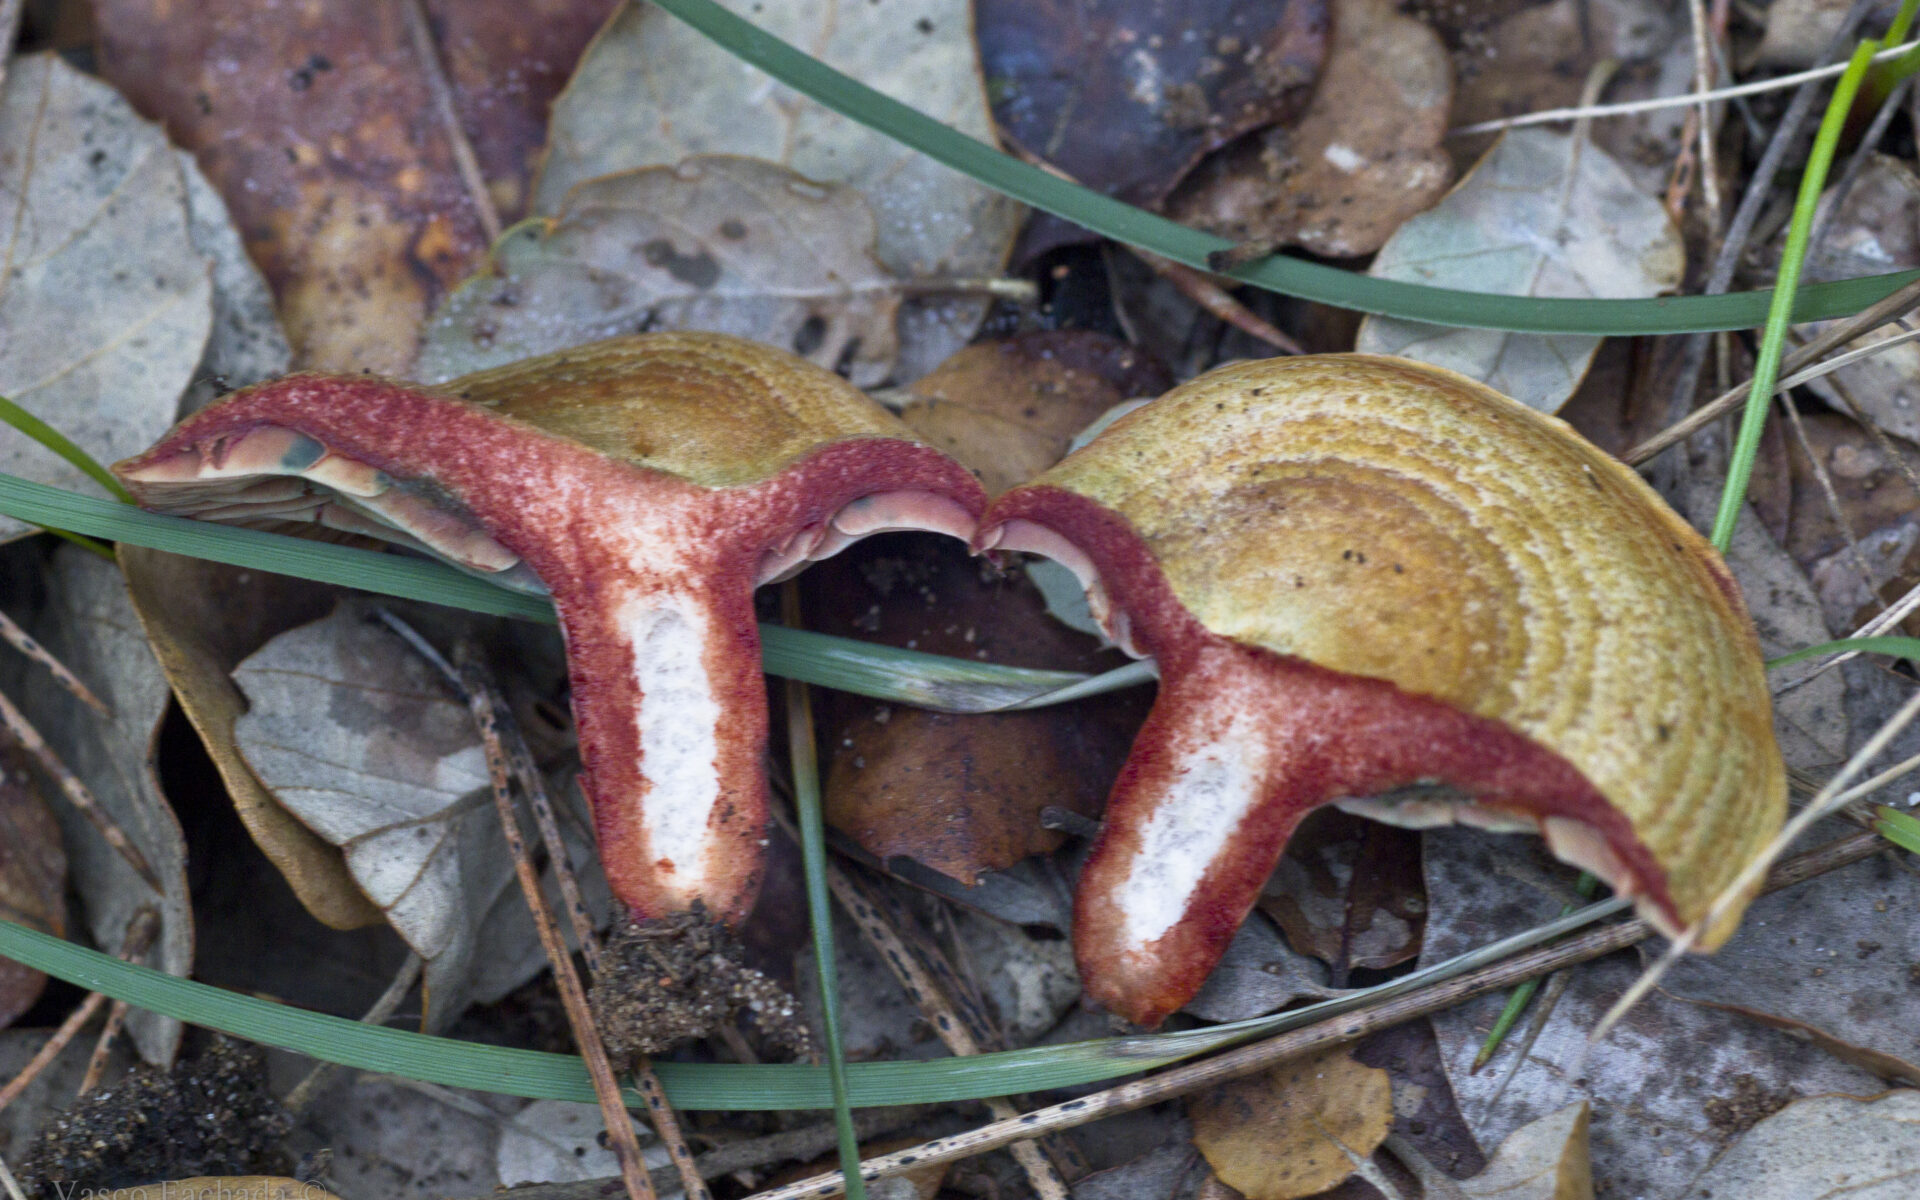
(649, 484)
(1379, 584)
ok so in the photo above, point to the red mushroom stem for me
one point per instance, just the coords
(1240, 745)
(652, 577)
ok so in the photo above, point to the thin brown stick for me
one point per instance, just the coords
(10, 13)
(1261, 1055)
(15, 722)
(24, 642)
(1831, 498)
(1834, 336)
(142, 928)
(613, 1109)
(803, 1144)
(1704, 36)
(434, 72)
(1196, 286)
(103, 1047)
(1200, 288)
(666, 1122)
(937, 1003)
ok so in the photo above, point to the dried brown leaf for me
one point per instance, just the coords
(1127, 96)
(960, 795)
(1364, 158)
(1348, 891)
(1289, 1132)
(1008, 409)
(33, 876)
(326, 143)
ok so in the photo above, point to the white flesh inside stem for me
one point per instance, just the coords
(1214, 788)
(678, 727)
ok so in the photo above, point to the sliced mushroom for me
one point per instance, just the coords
(1361, 574)
(649, 484)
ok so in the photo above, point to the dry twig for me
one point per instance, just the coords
(420, 32)
(625, 1143)
(666, 1122)
(24, 642)
(15, 722)
(1261, 1055)
(142, 928)
(1834, 336)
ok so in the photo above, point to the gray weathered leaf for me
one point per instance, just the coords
(86, 620)
(246, 344)
(1824, 1148)
(733, 245)
(1543, 214)
(1809, 707)
(361, 739)
(1873, 230)
(553, 1141)
(1545, 1160)
(105, 303)
(1676, 1080)
(651, 91)
(1259, 973)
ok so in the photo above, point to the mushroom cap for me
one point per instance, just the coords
(711, 409)
(1392, 521)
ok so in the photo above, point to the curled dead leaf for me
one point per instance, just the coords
(358, 737)
(202, 619)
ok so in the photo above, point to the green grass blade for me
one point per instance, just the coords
(1793, 257)
(1902, 829)
(1901, 647)
(864, 668)
(538, 1075)
(1295, 277)
(813, 859)
(60, 444)
(714, 1086)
